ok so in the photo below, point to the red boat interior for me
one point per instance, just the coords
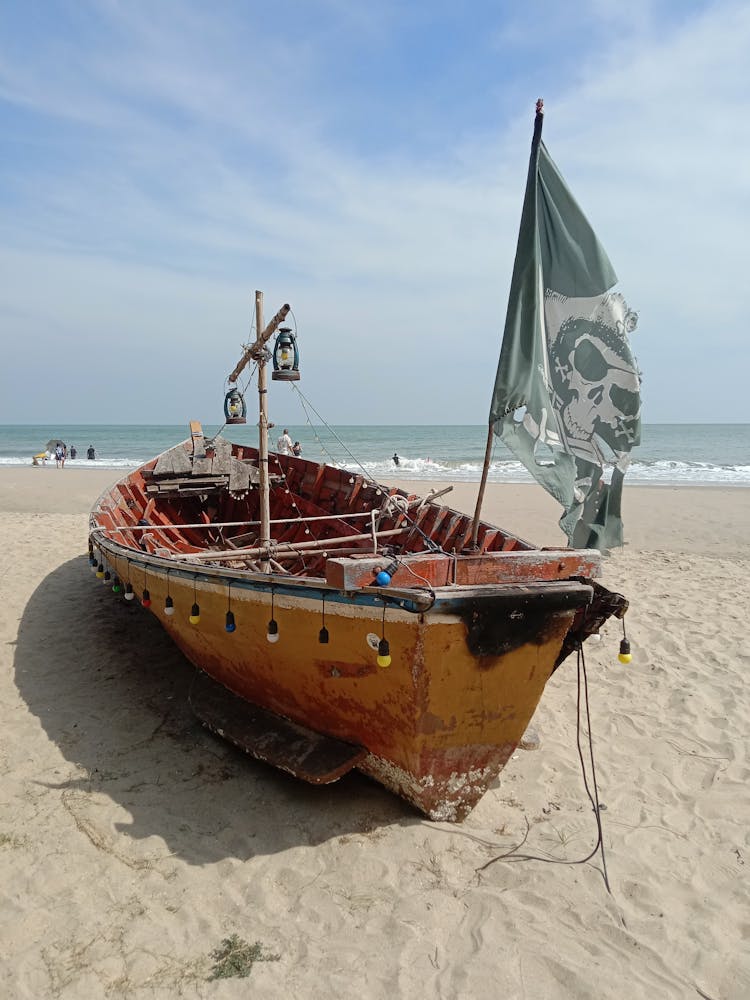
(311, 505)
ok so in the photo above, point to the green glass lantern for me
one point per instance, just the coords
(285, 357)
(235, 410)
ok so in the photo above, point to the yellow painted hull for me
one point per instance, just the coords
(439, 722)
(474, 628)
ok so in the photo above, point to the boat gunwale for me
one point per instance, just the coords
(444, 599)
(416, 600)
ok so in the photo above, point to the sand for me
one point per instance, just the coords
(132, 843)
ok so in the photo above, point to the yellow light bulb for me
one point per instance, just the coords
(384, 653)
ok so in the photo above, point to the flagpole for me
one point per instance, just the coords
(536, 139)
(483, 483)
(538, 122)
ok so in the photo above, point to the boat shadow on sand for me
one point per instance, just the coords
(110, 690)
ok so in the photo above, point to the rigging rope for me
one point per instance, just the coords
(430, 544)
(514, 853)
(389, 502)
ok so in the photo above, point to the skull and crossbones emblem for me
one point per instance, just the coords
(593, 375)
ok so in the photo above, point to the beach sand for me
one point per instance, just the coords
(132, 842)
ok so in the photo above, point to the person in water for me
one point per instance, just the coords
(284, 444)
(90, 453)
(297, 449)
(73, 451)
(396, 459)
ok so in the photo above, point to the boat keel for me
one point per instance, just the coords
(449, 783)
(302, 752)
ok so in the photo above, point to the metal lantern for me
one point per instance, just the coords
(285, 357)
(235, 410)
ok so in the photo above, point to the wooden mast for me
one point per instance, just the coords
(264, 484)
(258, 352)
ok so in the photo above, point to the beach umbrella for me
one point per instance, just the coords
(53, 443)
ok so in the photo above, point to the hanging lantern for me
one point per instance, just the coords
(272, 631)
(235, 410)
(285, 357)
(384, 653)
(146, 598)
(195, 611)
(230, 625)
(323, 634)
(384, 648)
(625, 656)
(168, 602)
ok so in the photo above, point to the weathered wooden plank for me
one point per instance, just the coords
(352, 573)
(282, 547)
(526, 566)
(296, 749)
(174, 462)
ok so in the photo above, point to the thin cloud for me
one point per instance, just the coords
(180, 158)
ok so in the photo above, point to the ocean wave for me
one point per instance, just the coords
(662, 472)
(79, 463)
(644, 473)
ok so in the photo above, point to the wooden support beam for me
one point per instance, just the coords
(263, 552)
(259, 341)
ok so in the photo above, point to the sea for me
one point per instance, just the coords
(670, 454)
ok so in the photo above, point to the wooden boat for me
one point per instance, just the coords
(339, 623)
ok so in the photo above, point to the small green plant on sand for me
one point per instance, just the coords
(236, 957)
(10, 840)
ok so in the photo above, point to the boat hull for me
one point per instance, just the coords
(376, 630)
(438, 723)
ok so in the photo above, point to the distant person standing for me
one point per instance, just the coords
(59, 456)
(90, 453)
(73, 451)
(396, 459)
(284, 445)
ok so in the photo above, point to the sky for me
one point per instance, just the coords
(160, 160)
